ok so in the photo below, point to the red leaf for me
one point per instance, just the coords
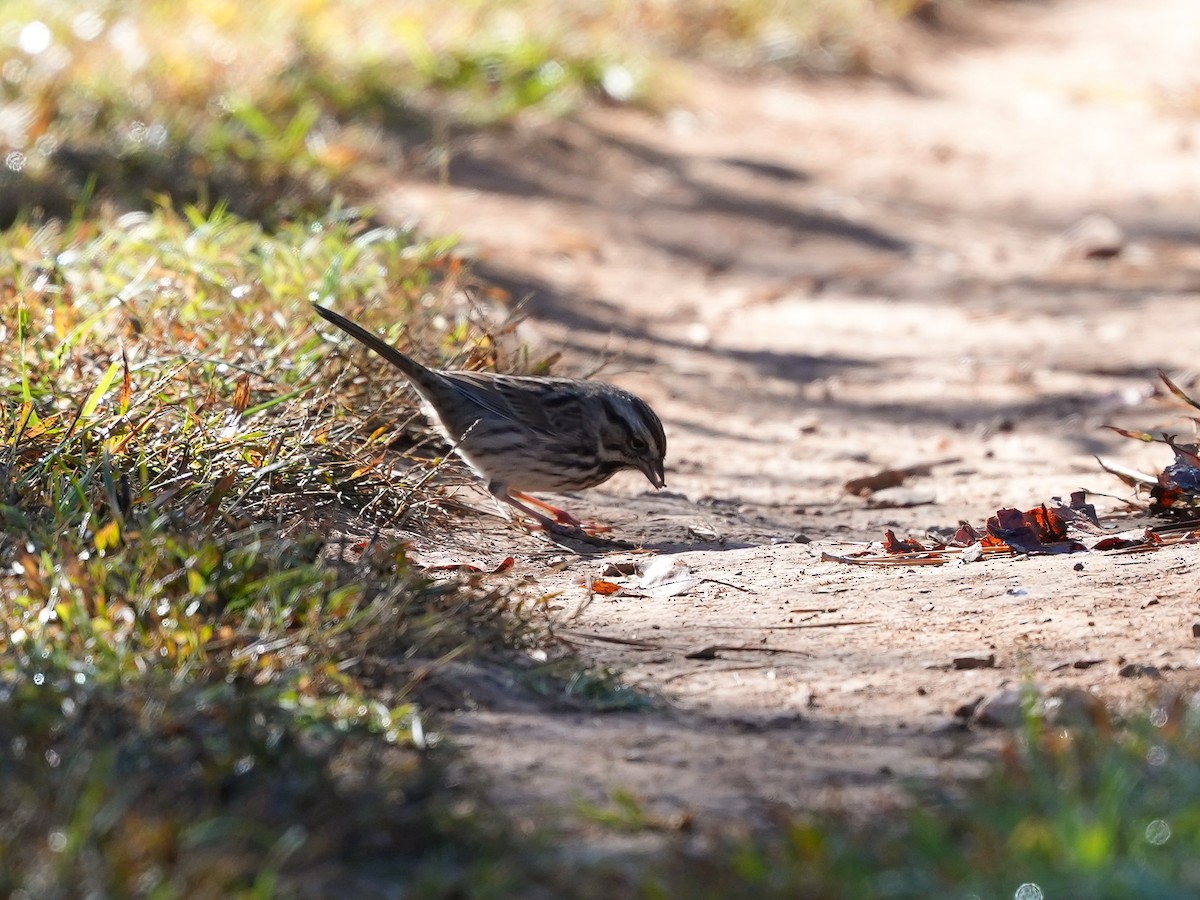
(1024, 532)
(966, 535)
(893, 544)
(1117, 543)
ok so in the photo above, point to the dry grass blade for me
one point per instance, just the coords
(923, 558)
(1177, 390)
(1132, 477)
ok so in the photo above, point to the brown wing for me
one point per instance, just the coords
(551, 407)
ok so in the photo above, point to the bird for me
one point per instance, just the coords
(524, 433)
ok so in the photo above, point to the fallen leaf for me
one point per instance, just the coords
(1076, 664)
(893, 544)
(974, 661)
(1039, 530)
(241, 395)
(1121, 542)
(108, 537)
(604, 588)
(966, 535)
(890, 477)
(869, 484)
(1080, 516)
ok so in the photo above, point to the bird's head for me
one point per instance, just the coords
(632, 437)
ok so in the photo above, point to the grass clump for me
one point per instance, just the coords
(214, 788)
(1100, 811)
(197, 696)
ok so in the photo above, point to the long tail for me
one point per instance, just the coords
(409, 367)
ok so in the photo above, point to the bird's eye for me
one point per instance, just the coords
(637, 444)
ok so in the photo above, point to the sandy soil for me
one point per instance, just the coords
(813, 281)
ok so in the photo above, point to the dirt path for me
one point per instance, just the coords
(812, 282)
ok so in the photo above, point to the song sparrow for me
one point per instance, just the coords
(525, 433)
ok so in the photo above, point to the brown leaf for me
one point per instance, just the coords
(1080, 514)
(1117, 543)
(893, 544)
(892, 477)
(241, 396)
(966, 535)
(221, 488)
(33, 574)
(869, 484)
(1039, 530)
(1049, 525)
(604, 588)
(974, 661)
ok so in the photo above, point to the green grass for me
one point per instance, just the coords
(218, 787)
(212, 652)
(1099, 810)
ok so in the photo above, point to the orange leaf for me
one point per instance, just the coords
(241, 396)
(893, 544)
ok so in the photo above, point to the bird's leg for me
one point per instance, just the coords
(543, 521)
(563, 523)
(559, 514)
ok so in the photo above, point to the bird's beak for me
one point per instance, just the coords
(653, 470)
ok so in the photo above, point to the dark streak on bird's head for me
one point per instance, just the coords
(631, 436)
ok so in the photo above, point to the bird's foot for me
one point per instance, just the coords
(557, 513)
(559, 522)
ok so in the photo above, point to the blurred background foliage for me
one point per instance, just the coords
(275, 107)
